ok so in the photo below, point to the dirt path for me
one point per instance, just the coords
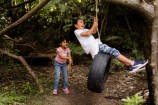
(119, 85)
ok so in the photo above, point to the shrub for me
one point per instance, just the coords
(134, 100)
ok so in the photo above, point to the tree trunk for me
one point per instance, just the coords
(38, 7)
(28, 68)
(154, 52)
(149, 9)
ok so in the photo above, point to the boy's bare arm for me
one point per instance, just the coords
(95, 22)
(93, 29)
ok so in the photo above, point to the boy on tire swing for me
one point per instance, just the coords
(93, 46)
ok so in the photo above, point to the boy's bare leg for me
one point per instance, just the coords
(136, 66)
(125, 60)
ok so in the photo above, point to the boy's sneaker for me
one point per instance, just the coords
(66, 90)
(55, 92)
(138, 66)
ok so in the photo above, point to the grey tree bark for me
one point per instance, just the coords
(154, 52)
(140, 5)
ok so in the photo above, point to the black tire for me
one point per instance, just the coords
(98, 73)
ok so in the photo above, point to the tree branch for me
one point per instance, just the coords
(145, 8)
(39, 6)
(26, 45)
(30, 71)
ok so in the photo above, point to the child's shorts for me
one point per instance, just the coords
(103, 48)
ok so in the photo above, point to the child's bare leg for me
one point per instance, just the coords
(125, 60)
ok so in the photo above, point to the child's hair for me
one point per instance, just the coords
(75, 20)
(71, 35)
(62, 39)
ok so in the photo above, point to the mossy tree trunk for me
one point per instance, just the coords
(154, 52)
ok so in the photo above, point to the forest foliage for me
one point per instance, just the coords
(120, 27)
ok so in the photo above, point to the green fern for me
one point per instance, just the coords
(134, 100)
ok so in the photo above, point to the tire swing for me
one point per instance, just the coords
(98, 73)
(99, 69)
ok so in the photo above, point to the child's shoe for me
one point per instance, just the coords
(138, 66)
(55, 92)
(66, 90)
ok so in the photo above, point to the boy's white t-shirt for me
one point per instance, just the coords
(88, 43)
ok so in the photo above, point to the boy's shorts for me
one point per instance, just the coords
(103, 48)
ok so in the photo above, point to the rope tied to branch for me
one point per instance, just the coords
(96, 11)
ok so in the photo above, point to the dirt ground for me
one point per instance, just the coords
(120, 84)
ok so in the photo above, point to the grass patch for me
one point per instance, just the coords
(10, 98)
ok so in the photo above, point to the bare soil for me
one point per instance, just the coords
(120, 84)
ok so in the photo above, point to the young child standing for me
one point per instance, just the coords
(93, 46)
(62, 55)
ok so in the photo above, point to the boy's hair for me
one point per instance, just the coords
(71, 36)
(76, 19)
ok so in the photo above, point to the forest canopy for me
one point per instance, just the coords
(43, 30)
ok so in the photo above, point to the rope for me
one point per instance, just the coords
(96, 10)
